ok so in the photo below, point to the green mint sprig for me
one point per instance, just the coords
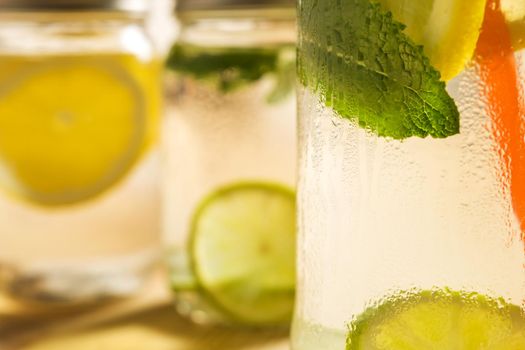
(358, 59)
(232, 68)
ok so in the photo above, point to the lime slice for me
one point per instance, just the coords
(181, 273)
(447, 29)
(243, 252)
(439, 320)
(69, 128)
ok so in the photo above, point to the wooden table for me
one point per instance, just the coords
(147, 322)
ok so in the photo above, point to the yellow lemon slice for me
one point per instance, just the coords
(69, 128)
(447, 29)
(514, 11)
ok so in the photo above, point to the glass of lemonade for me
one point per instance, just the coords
(411, 195)
(230, 148)
(79, 112)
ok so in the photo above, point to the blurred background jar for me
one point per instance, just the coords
(79, 115)
(230, 154)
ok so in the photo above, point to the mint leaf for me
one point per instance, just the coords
(285, 79)
(231, 68)
(357, 58)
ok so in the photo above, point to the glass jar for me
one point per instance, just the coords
(412, 176)
(230, 148)
(79, 118)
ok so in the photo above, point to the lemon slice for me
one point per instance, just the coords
(447, 29)
(69, 128)
(243, 252)
(514, 11)
(439, 320)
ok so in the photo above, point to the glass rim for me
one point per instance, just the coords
(132, 6)
(276, 13)
(184, 6)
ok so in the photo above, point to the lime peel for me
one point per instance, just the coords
(438, 319)
(242, 252)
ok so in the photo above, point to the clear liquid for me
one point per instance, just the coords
(378, 216)
(214, 139)
(102, 249)
(308, 336)
(98, 246)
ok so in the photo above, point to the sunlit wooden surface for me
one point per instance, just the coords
(147, 322)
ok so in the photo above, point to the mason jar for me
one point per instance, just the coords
(229, 149)
(79, 118)
(412, 176)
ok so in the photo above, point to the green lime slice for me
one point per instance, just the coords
(440, 320)
(243, 252)
(181, 274)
